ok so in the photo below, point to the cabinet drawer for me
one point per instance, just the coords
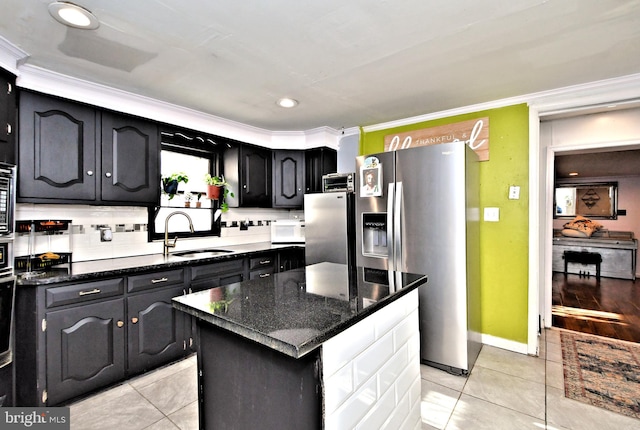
(78, 293)
(204, 272)
(261, 273)
(155, 280)
(267, 260)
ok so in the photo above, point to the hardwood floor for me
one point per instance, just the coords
(609, 307)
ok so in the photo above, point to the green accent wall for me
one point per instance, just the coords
(504, 245)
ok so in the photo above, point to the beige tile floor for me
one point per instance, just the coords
(505, 390)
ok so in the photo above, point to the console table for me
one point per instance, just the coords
(618, 250)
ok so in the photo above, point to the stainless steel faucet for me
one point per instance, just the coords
(168, 245)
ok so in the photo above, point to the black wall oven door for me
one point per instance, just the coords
(7, 294)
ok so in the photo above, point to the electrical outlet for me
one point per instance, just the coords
(492, 214)
(514, 192)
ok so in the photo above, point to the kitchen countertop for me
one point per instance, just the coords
(93, 269)
(295, 311)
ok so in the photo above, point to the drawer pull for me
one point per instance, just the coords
(156, 281)
(265, 262)
(265, 275)
(120, 324)
(87, 293)
(134, 320)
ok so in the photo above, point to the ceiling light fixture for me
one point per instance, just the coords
(287, 102)
(573, 173)
(73, 15)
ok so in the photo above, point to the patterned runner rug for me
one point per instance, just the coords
(602, 372)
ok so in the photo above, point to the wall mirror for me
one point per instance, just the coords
(590, 199)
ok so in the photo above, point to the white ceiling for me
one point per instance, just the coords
(349, 63)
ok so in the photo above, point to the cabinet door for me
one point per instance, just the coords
(288, 179)
(6, 386)
(7, 117)
(255, 177)
(156, 330)
(319, 161)
(85, 349)
(290, 259)
(130, 160)
(57, 159)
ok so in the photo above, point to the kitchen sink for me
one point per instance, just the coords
(201, 253)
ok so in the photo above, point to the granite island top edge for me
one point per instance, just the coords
(288, 314)
(123, 266)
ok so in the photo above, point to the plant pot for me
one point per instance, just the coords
(170, 187)
(187, 204)
(198, 204)
(214, 192)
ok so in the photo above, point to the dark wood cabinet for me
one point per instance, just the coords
(69, 152)
(6, 386)
(7, 117)
(130, 159)
(288, 178)
(318, 162)
(156, 331)
(289, 259)
(248, 168)
(263, 265)
(84, 349)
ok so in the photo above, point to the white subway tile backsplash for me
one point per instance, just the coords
(385, 371)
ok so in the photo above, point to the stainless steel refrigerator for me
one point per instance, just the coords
(329, 230)
(417, 210)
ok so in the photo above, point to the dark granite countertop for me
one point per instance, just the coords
(294, 312)
(95, 269)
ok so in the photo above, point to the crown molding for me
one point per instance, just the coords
(11, 56)
(56, 84)
(571, 97)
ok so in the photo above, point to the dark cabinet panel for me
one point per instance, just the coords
(288, 178)
(56, 149)
(289, 259)
(156, 330)
(6, 386)
(85, 349)
(70, 152)
(319, 161)
(7, 117)
(130, 159)
(248, 169)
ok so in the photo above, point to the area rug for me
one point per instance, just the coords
(602, 372)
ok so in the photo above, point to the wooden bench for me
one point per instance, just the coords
(582, 257)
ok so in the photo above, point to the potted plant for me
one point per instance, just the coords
(198, 202)
(187, 199)
(218, 189)
(170, 183)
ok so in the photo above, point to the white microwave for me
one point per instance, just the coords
(287, 231)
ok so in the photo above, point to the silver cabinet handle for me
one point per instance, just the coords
(265, 262)
(89, 172)
(265, 275)
(108, 174)
(86, 293)
(155, 281)
(9, 129)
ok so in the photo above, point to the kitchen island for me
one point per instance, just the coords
(325, 346)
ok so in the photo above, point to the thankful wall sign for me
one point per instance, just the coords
(474, 133)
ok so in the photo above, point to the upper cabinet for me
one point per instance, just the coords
(7, 117)
(74, 153)
(288, 178)
(247, 168)
(319, 161)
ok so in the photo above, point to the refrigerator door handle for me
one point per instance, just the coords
(390, 243)
(397, 227)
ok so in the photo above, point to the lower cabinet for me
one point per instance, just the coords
(85, 349)
(156, 330)
(81, 337)
(262, 266)
(6, 386)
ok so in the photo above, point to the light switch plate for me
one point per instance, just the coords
(514, 192)
(492, 214)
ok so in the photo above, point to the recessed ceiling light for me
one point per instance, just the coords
(73, 15)
(287, 102)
